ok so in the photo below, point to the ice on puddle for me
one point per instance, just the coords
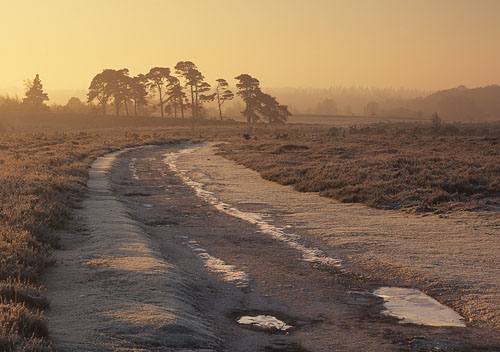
(264, 322)
(413, 306)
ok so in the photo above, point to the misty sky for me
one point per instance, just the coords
(425, 44)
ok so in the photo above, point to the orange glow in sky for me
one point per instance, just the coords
(425, 44)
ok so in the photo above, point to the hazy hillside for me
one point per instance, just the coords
(456, 104)
(348, 100)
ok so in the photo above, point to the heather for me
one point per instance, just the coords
(419, 169)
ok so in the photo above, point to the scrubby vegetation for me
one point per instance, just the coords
(420, 169)
(42, 176)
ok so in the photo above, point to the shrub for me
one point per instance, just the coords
(16, 318)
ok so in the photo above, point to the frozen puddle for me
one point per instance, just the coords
(413, 306)
(264, 322)
(313, 255)
(229, 272)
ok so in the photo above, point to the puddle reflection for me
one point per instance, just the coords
(264, 322)
(413, 306)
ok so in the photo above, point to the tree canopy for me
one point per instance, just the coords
(100, 90)
(159, 78)
(259, 104)
(177, 97)
(115, 84)
(137, 91)
(117, 87)
(198, 87)
(249, 90)
(223, 94)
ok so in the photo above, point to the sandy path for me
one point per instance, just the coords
(178, 197)
(155, 264)
(455, 259)
(112, 290)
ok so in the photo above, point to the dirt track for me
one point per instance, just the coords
(331, 308)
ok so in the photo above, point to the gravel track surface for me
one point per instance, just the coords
(211, 263)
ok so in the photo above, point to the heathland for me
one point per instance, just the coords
(383, 166)
(44, 163)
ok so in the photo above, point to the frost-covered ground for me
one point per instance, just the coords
(453, 258)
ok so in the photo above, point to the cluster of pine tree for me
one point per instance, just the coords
(186, 90)
(118, 88)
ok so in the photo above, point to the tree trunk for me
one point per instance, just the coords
(135, 107)
(192, 102)
(161, 100)
(126, 107)
(182, 108)
(196, 95)
(175, 110)
(117, 108)
(220, 107)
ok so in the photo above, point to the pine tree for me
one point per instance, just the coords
(258, 103)
(35, 96)
(223, 94)
(100, 89)
(177, 96)
(249, 91)
(159, 79)
(195, 80)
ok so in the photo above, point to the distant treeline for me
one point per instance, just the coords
(456, 104)
(180, 93)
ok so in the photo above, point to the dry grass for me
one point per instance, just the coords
(391, 168)
(42, 176)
